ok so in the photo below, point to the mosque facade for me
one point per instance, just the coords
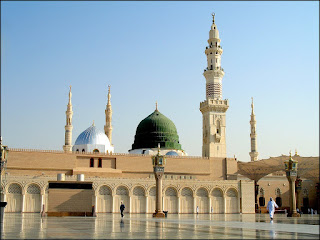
(210, 183)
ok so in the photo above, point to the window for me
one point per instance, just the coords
(77, 150)
(216, 60)
(216, 44)
(83, 150)
(91, 162)
(100, 163)
(211, 60)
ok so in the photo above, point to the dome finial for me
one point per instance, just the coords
(156, 105)
(252, 106)
(213, 14)
(93, 123)
(70, 95)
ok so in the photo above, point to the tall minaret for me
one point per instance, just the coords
(68, 128)
(108, 111)
(253, 135)
(214, 108)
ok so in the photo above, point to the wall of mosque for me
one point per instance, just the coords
(114, 165)
(28, 194)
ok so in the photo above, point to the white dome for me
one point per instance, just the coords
(91, 139)
(92, 136)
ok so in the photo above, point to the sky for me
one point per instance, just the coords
(154, 51)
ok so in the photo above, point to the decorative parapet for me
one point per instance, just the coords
(97, 154)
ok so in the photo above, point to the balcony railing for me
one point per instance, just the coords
(216, 68)
(211, 46)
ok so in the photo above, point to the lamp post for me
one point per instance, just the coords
(158, 162)
(291, 167)
(3, 160)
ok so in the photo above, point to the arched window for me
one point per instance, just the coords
(77, 150)
(262, 200)
(95, 150)
(91, 162)
(83, 150)
(278, 198)
(100, 163)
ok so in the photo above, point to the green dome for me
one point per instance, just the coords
(154, 129)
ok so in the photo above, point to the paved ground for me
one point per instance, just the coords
(184, 226)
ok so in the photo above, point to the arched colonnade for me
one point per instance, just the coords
(137, 199)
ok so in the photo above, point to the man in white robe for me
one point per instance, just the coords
(271, 207)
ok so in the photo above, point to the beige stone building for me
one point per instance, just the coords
(91, 174)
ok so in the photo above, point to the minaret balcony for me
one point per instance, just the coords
(213, 50)
(214, 105)
(214, 47)
(214, 69)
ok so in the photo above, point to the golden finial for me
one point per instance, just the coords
(290, 154)
(109, 89)
(93, 123)
(159, 148)
(296, 152)
(156, 105)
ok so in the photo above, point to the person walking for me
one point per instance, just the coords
(122, 207)
(271, 207)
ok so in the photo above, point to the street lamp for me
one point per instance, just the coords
(291, 167)
(158, 162)
(3, 160)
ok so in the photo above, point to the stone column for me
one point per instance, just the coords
(95, 204)
(112, 205)
(130, 204)
(225, 204)
(42, 210)
(23, 202)
(210, 204)
(147, 204)
(159, 206)
(178, 202)
(293, 207)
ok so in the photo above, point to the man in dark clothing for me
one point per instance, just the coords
(122, 207)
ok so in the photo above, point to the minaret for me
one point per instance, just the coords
(68, 128)
(108, 111)
(214, 108)
(253, 135)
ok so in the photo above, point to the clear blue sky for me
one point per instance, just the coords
(154, 51)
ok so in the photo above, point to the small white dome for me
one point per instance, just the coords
(93, 140)
(92, 136)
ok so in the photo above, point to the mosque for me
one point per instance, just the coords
(90, 175)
